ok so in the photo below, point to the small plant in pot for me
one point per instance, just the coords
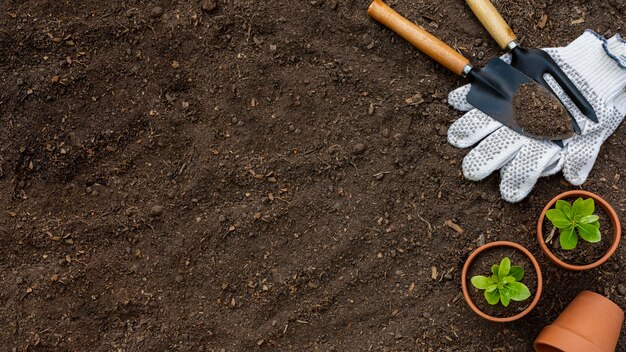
(573, 221)
(501, 281)
(504, 285)
(574, 228)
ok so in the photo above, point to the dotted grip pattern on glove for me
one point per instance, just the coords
(594, 65)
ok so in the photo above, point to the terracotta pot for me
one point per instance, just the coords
(617, 230)
(590, 323)
(473, 256)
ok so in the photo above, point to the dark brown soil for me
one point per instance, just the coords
(185, 179)
(482, 266)
(541, 113)
(585, 252)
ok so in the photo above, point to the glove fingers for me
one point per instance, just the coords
(555, 167)
(492, 153)
(519, 176)
(581, 156)
(616, 48)
(471, 128)
(458, 98)
(583, 150)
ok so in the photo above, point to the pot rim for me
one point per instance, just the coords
(553, 336)
(617, 231)
(485, 247)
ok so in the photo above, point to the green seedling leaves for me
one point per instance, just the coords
(518, 291)
(481, 282)
(559, 219)
(507, 280)
(588, 219)
(565, 207)
(568, 239)
(584, 207)
(589, 233)
(517, 272)
(505, 297)
(573, 220)
(503, 285)
(505, 267)
(492, 297)
(578, 206)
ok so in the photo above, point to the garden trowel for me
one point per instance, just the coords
(493, 87)
(535, 63)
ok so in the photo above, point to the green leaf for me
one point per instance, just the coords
(565, 207)
(596, 224)
(505, 296)
(589, 233)
(492, 297)
(494, 269)
(518, 291)
(508, 280)
(558, 219)
(588, 219)
(505, 267)
(492, 288)
(579, 207)
(517, 272)
(480, 282)
(568, 239)
(588, 207)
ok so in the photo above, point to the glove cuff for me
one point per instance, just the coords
(615, 47)
(600, 62)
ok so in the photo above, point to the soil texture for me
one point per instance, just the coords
(539, 112)
(482, 266)
(585, 252)
(237, 175)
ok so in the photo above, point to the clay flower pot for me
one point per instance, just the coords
(617, 231)
(487, 247)
(590, 323)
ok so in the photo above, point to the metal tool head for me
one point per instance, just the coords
(535, 63)
(492, 92)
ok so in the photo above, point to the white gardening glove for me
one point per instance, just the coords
(598, 68)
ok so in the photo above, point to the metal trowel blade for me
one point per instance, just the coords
(492, 92)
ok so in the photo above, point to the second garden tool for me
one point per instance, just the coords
(494, 89)
(535, 63)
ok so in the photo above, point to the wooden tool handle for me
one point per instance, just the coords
(493, 21)
(418, 36)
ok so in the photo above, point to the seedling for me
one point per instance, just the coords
(504, 284)
(574, 220)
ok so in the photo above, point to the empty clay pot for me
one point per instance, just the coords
(590, 323)
(608, 209)
(464, 280)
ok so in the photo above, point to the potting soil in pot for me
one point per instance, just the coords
(585, 252)
(482, 266)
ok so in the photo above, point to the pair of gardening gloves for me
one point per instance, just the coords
(597, 66)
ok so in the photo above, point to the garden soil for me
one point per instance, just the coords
(251, 175)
